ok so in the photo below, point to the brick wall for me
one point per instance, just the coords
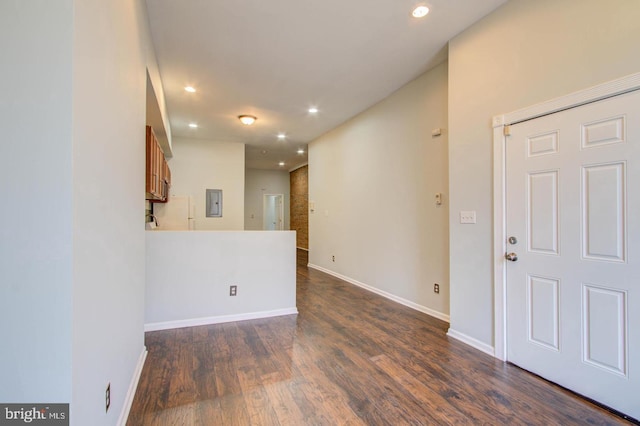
(299, 202)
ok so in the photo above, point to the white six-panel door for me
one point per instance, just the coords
(573, 210)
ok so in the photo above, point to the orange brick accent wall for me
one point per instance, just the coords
(299, 205)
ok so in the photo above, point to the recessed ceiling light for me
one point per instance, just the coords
(313, 110)
(420, 11)
(281, 136)
(301, 151)
(247, 120)
(193, 125)
(190, 89)
(281, 163)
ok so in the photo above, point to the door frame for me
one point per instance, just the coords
(280, 212)
(500, 125)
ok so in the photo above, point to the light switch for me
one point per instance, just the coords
(438, 198)
(468, 216)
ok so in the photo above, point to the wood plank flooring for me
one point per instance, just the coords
(349, 357)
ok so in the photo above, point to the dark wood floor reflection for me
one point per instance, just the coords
(349, 357)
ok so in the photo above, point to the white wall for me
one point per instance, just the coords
(189, 274)
(72, 176)
(160, 108)
(36, 254)
(260, 182)
(373, 182)
(109, 88)
(198, 165)
(524, 53)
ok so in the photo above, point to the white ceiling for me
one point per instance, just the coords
(276, 58)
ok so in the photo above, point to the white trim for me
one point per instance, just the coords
(133, 385)
(572, 100)
(397, 299)
(194, 322)
(499, 245)
(474, 343)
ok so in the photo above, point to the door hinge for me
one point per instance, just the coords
(506, 130)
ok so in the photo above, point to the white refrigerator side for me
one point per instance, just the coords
(176, 214)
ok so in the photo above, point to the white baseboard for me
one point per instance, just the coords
(154, 326)
(133, 385)
(400, 300)
(475, 343)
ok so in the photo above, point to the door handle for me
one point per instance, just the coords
(512, 257)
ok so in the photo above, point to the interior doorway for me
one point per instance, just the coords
(273, 212)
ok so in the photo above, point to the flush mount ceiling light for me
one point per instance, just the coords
(313, 110)
(193, 125)
(247, 120)
(301, 151)
(281, 163)
(281, 136)
(420, 11)
(190, 89)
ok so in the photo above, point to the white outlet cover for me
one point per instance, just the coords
(468, 216)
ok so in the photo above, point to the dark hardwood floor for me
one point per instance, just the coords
(349, 357)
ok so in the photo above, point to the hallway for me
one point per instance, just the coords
(348, 357)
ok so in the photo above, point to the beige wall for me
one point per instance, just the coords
(373, 181)
(523, 53)
(198, 165)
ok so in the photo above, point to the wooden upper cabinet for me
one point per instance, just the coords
(158, 175)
